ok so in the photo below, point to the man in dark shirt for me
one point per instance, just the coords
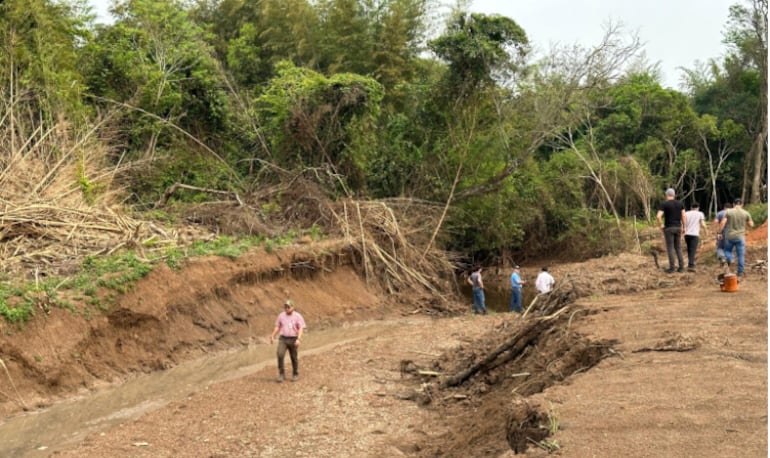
(672, 220)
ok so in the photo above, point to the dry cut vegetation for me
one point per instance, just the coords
(63, 202)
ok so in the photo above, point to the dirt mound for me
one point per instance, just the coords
(520, 357)
(758, 235)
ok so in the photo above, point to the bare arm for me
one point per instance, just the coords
(299, 336)
(722, 225)
(684, 221)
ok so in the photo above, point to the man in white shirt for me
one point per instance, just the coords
(694, 221)
(544, 282)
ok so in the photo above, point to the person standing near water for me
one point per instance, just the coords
(290, 326)
(544, 282)
(478, 291)
(516, 284)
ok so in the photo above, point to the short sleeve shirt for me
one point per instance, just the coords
(289, 325)
(720, 217)
(694, 219)
(476, 280)
(672, 212)
(515, 279)
(544, 282)
(737, 220)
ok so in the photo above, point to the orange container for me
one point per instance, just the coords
(730, 283)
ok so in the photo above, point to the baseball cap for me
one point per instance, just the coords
(516, 266)
(288, 303)
(670, 192)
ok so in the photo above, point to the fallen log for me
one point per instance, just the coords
(515, 345)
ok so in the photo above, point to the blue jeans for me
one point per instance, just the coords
(740, 249)
(478, 301)
(516, 300)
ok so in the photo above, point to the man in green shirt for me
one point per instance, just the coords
(735, 222)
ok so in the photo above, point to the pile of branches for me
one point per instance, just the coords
(560, 296)
(393, 238)
(46, 235)
(58, 203)
(387, 236)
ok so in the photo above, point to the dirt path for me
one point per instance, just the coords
(689, 378)
(705, 396)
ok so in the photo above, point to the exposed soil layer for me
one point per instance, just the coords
(211, 304)
(630, 361)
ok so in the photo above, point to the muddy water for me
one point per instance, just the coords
(38, 434)
(497, 299)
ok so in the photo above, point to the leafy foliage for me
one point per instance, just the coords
(477, 46)
(314, 121)
(38, 53)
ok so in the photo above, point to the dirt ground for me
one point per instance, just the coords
(630, 362)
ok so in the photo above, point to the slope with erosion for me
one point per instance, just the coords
(211, 304)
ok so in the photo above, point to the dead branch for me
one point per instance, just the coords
(171, 190)
(516, 344)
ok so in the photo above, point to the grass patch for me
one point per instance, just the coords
(101, 279)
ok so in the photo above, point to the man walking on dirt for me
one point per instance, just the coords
(695, 220)
(478, 291)
(671, 218)
(734, 226)
(516, 284)
(290, 325)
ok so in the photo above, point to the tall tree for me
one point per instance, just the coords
(478, 48)
(39, 41)
(747, 37)
(157, 60)
(313, 121)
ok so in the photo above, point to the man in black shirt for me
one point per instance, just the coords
(672, 212)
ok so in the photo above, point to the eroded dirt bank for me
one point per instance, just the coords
(654, 343)
(170, 316)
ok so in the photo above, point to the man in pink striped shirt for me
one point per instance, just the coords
(290, 325)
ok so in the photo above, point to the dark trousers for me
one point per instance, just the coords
(287, 343)
(674, 246)
(692, 249)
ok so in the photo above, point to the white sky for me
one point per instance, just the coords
(675, 33)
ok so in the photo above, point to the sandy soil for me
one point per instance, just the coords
(639, 364)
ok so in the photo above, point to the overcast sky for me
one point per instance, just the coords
(675, 33)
